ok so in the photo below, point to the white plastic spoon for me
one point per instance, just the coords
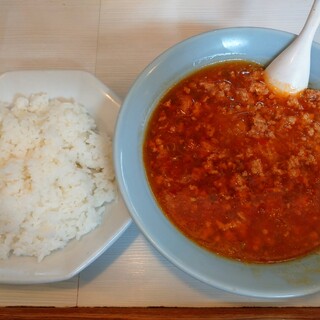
(290, 71)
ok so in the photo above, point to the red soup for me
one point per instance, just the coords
(235, 166)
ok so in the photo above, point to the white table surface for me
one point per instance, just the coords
(115, 40)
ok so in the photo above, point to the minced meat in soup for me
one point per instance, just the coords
(235, 166)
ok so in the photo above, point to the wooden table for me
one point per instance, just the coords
(115, 40)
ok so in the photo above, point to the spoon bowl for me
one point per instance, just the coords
(289, 72)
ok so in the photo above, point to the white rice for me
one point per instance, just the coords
(56, 175)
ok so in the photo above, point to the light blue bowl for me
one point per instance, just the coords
(295, 278)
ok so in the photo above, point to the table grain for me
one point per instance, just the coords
(160, 313)
(115, 40)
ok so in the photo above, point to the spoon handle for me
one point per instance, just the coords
(312, 22)
(290, 71)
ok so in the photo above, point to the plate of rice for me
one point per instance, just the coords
(60, 207)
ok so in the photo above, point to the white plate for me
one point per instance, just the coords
(101, 103)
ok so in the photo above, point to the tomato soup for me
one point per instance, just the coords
(235, 166)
